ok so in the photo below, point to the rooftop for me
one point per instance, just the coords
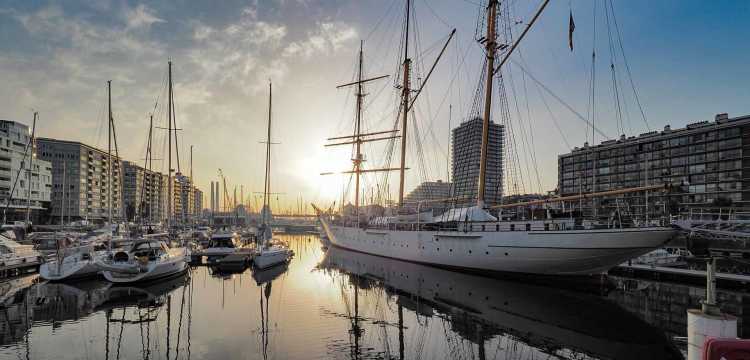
(720, 121)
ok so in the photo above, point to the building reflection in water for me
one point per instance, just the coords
(497, 315)
(664, 304)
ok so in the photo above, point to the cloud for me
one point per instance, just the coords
(327, 38)
(141, 17)
(221, 70)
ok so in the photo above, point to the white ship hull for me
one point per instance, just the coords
(134, 272)
(569, 252)
(80, 264)
(269, 258)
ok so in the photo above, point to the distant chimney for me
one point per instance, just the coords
(723, 117)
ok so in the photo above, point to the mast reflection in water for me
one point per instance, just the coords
(334, 304)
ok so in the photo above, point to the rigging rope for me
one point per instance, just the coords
(627, 67)
(560, 100)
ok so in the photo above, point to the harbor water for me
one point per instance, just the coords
(330, 303)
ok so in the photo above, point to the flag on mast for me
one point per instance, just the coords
(571, 28)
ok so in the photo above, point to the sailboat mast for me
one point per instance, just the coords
(31, 169)
(109, 152)
(62, 201)
(150, 171)
(490, 48)
(357, 132)
(192, 183)
(267, 187)
(405, 106)
(169, 148)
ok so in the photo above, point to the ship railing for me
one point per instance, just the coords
(714, 214)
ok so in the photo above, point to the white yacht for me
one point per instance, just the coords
(147, 259)
(223, 244)
(73, 263)
(546, 247)
(272, 255)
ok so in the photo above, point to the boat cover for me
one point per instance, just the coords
(474, 214)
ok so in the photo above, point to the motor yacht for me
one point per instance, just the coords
(223, 244)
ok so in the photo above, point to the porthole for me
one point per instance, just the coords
(506, 254)
(438, 249)
(486, 252)
(469, 251)
(450, 250)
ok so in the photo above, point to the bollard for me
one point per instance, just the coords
(708, 322)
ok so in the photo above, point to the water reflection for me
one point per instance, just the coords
(336, 304)
(499, 315)
(664, 304)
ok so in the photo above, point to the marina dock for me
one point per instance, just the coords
(679, 275)
(15, 270)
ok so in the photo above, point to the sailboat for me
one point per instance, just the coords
(150, 257)
(471, 238)
(83, 260)
(73, 263)
(270, 253)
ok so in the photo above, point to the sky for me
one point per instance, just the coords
(686, 61)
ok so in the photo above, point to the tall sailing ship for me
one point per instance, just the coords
(470, 237)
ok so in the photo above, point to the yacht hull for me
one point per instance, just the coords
(572, 252)
(266, 260)
(133, 273)
(69, 271)
(74, 266)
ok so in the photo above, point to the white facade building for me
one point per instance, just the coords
(25, 180)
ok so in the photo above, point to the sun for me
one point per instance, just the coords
(322, 167)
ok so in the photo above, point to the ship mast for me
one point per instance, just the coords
(405, 106)
(267, 183)
(490, 48)
(30, 170)
(357, 135)
(169, 150)
(109, 156)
